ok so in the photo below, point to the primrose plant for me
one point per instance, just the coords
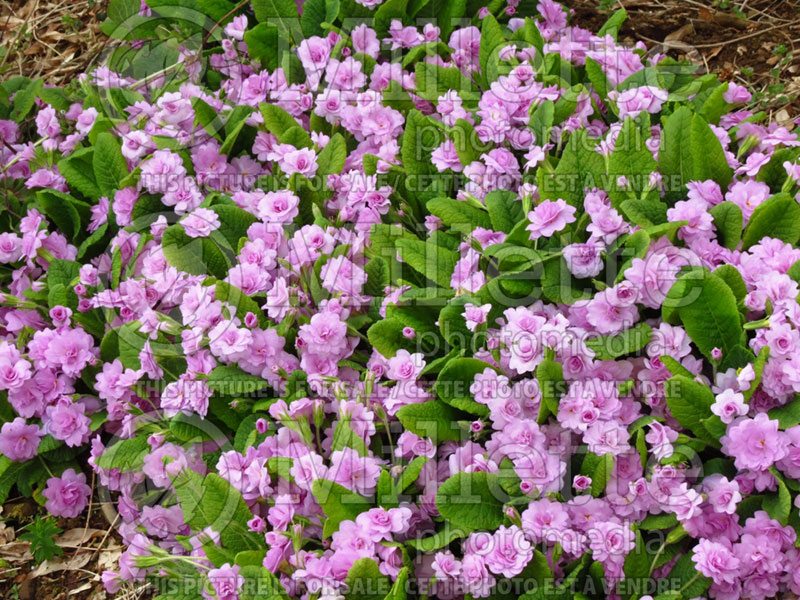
(407, 298)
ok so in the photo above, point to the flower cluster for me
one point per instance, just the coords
(464, 302)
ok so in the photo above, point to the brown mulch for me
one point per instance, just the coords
(754, 43)
(89, 545)
(53, 39)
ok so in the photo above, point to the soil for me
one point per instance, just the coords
(89, 545)
(52, 39)
(753, 43)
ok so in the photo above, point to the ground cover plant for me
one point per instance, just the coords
(403, 299)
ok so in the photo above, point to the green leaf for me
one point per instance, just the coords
(787, 415)
(690, 403)
(385, 494)
(458, 215)
(530, 33)
(675, 155)
(714, 106)
(492, 41)
(641, 422)
(611, 347)
(234, 223)
(411, 473)
(249, 558)
(435, 262)
(454, 382)
(130, 340)
(440, 539)
(218, 10)
(452, 323)
(377, 270)
(94, 244)
(262, 44)
(466, 141)
(794, 272)
(505, 210)
(733, 279)
(597, 77)
(79, 173)
(472, 500)
(420, 137)
(714, 426)
(386, 13)
(207, 117)
(435, 366)
(246, 434)
(536, 575)
(219, 556)
(399, 589)
(280, 13)
(9, 471)
(686, 580)
(728, 223)
(365, 581)
(190, 428)
(758, 369)
(316, 12)
(281, 466)
(630, 158)
(637, 563)
(778, 504)
(708, 156)
(434, 419)
(639, 241)
(345, 437)
(387, 337)
(109, 165)
(778, 217)
(210, 501)
(644, 213)
(647, 76)
(231, 294)
(565, 106)
(509, 258)
(708, 310)
(231, 381)
(397, 98)
(580, 167)
(62, 210)
(541, 121)
(41, 534)
(450, 16)
(260, 584)
(602, 474)
(331, 158)
(338, 503)
(662, 521)
(125, 455)
(550, 375)
(279, 122)
(25, 99)
(773, 173)
(196, 256)
(737, 358)
(297, 137)
(613, 24)
(433, 80)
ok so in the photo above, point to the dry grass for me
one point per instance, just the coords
(53, 39)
